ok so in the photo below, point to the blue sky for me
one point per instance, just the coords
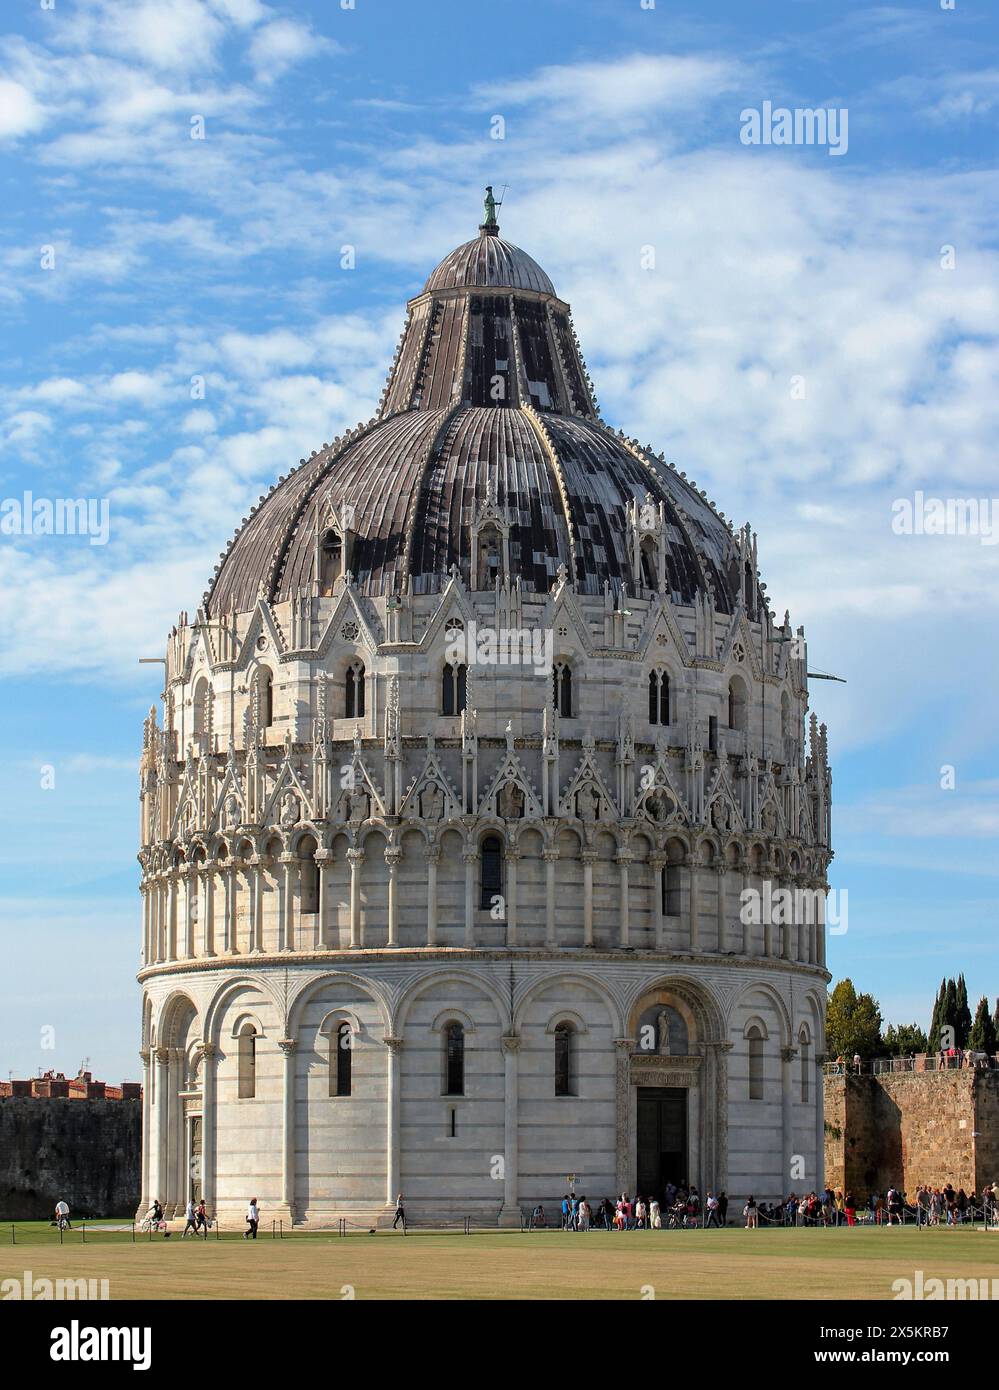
(372, 127)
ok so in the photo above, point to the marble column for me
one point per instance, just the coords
(820, 925)
(260, 863)
(623, 858)
(355, 858)
(393, 1138)
(623, 1048)
(162, 1122)
(147, 1128)
(287, 1046)
(551, 859)
(694, 905)
(171, 916)
(322, 935)
(588, 856)
(186, 878)
(471, 858)
(289, 928)
(510, 1211)
(721, 874)
(512, 860)
(392, 857)
(208, 895)
(208, 1054)
(231, 883)
(433, 857)
(787, 1056)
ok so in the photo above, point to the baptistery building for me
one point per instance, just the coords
(484, 828)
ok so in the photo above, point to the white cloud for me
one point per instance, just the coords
(19, 112)
(278, 46)
(640, 86)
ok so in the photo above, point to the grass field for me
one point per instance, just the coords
(731, 1263)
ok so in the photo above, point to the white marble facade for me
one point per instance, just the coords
(521, 918)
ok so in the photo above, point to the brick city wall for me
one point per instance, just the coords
(911, 1127)
(86, 1151)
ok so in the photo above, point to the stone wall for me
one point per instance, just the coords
(86, 1151)
(912, 1127)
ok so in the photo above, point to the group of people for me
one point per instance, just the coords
(928, 1206)
(681, 1206)
(196, 1218)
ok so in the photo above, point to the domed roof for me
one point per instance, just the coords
(488, 398)
(488, 262)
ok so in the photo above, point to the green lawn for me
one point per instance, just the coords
(732, 1263)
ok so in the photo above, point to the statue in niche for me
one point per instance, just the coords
(291, 810)
(769, 819)
(588, 803)
(231, 813)
(357, 804)
(662, 1032)
(432, 802)
(511, 801)
(720, 814)
(659, 806)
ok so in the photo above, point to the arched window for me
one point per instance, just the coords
(563, 1059)
(562, 689)
(246, 1060)
(453, 684)
(454, 1059)
(263, 688)
(310, 875)
(737, 703)
(658, 697)
(755, 1039)
(330, 562)
(491, 870)
(671, 890)
(201, 707)
(341, 1057)
(353, 704)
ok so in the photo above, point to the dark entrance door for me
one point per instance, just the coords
(662, 1138)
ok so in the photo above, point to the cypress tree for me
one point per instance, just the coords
(948, 1010)
(982, 1037)
(962, 1014)
(935, 1020)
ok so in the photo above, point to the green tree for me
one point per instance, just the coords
(853, 1023)
(935, 1021)
(962, 1014)
(904, 1040)
(982, 1037)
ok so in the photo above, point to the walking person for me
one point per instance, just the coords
(201, 1217)
(190, 1218)
(62, 1215)
(252, 1220)
(850, 1208)
(712, 1211)
(400, 1214)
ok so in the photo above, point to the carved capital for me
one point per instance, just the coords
(287, 1045)
(355, 856)
(788, 1054)
(393, 1044)
(208, 1050)
(510, 1042)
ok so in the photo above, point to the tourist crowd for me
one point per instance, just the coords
(683, 1207)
